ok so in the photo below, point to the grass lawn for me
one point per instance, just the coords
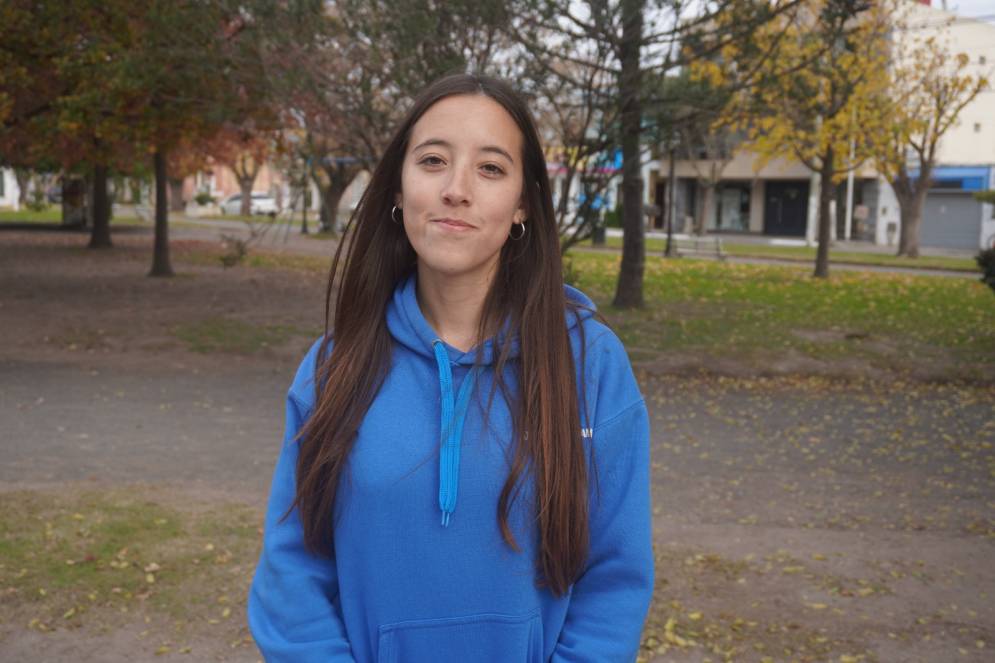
(54, 215)
(226, 335)
(258, 218)
(755, 313)
(749, 311)
(201, 253)
(49, 215)
(102, 557)
(806, 254)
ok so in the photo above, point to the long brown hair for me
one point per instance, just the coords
(526, 294)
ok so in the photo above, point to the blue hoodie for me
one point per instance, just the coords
(420, 572)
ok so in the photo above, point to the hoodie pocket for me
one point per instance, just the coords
(484, 638)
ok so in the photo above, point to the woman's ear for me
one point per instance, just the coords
(397, 200)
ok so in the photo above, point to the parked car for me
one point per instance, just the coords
(262, 203)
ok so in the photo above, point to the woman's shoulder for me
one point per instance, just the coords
(302, 389)
(590, 335)
(603, 366)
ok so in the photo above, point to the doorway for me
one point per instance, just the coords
(786, 208)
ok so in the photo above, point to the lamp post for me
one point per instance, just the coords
(305, 195)
(669, 250)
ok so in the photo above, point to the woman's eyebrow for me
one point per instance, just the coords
(443, 143)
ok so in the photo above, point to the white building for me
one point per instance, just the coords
(952, 218)
(9, 191)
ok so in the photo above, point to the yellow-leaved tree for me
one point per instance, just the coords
(819, 100)
(929, 84)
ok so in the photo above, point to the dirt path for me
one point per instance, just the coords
(795, 518)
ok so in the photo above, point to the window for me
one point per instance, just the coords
(977, 127)
(733, 206)
(981, 59)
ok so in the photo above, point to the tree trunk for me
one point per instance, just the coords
(826, 192)
(176, 202)
(911, 199)
(23, 177)
(331, 195)
(88, 200)
(330, 199)
(320, 205)
(160, 250)
(100, 234)
(73, 201)
(910, 211)
(629, 291)
(245, 186)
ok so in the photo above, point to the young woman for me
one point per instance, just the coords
(465, 473)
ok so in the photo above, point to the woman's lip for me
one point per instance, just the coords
(453, 223)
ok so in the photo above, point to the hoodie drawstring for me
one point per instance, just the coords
(453, 415)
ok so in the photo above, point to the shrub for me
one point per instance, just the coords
(203, 198)
(986, 263)
(36, 201)
(235, 249)
(613, 217)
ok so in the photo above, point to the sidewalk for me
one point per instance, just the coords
(850, 246)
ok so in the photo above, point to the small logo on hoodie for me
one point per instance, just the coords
(587, 432)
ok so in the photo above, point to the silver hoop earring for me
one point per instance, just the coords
(392, 217)
(520, 235)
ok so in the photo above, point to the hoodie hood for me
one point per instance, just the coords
(408, 326)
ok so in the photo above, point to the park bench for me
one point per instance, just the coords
(699, 246)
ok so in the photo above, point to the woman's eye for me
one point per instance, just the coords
(431, 161)
(493, 169)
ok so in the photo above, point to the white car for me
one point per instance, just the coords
(262, 203)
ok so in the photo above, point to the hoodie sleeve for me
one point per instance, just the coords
(293, 602)
(609, 601)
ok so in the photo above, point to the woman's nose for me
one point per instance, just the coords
(457, 188)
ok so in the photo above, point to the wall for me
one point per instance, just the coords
(757, 192)
(972, 140)
(10, 190)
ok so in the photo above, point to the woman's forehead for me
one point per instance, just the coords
(474, 122)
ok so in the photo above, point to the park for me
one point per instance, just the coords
(822, 478)
(784, 211)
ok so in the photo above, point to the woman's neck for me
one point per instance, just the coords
(452, 305)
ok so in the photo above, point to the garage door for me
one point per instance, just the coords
(951, 221)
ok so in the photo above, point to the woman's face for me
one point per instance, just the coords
(461, 186)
